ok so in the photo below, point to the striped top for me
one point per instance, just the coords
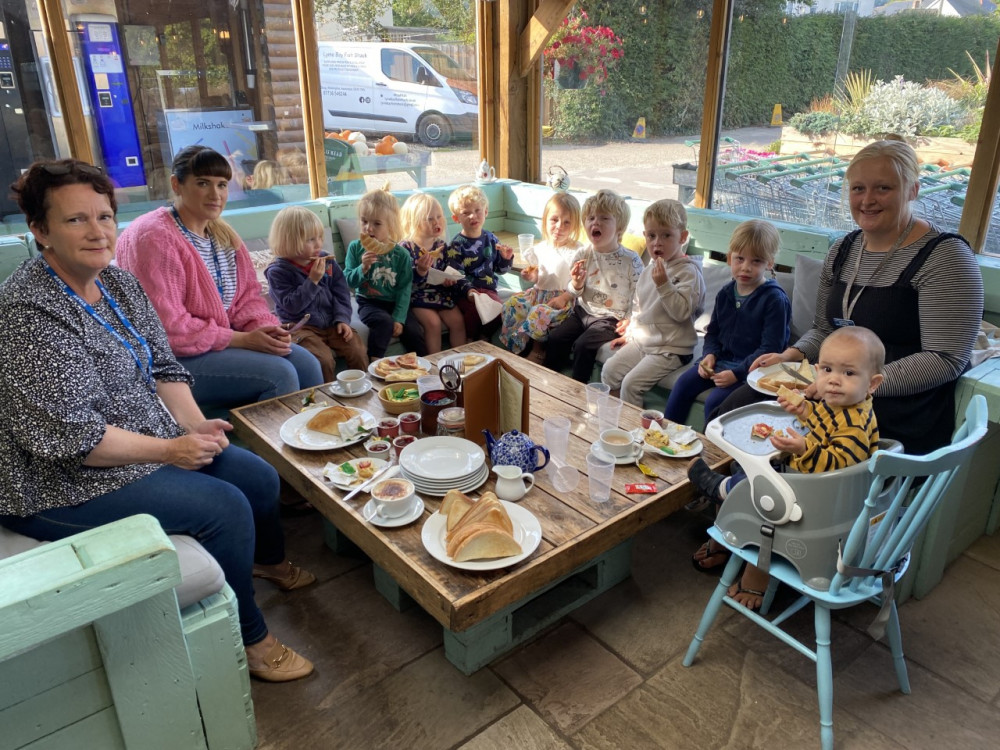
(950, 292)
(838, 437)
(211, 253)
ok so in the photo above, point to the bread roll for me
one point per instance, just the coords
(375, 246)
(329, 420)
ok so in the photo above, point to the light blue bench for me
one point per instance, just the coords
(94, 652)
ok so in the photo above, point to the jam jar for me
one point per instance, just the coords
(451, 422)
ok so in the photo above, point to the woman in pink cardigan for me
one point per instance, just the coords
(198, 274)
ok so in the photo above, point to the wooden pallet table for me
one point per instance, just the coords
(585, 546)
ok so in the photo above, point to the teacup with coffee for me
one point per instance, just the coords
(619, 443)
(393, 497)
(351, 381)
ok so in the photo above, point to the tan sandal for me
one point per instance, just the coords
(282, 665)
(295, 578)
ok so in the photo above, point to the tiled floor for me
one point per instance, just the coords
(610, 675)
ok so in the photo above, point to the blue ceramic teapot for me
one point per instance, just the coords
(515, 449)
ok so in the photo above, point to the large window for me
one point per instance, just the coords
(842, 79)
(399, 95)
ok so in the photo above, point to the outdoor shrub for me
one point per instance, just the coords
(902, 107)
(815, 123)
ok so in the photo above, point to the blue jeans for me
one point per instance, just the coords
(230, 507)
(685, 391)
(234, 377)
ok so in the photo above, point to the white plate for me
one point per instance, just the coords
(436, 458)
(341, 393)
(295, 433)
(449, 481)
(452, 359)
(527, 533)
(441, 490)
(370, 514)
(694, 447)
(344, 481)
(619, 460)
(423, 364)
(763, 372)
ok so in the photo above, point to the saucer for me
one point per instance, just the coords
(370, 514)
(338, 391)
(480, 181)
(619, 460)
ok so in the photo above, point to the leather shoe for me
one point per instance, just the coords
(294, 577)
(282, 665)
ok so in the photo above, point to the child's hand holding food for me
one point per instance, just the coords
(506, 251)
(789, 442)
(659, 272)
(706, 368)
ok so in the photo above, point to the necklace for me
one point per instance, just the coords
(847, 303)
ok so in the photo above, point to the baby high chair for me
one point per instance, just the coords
(871, 560)
(801, 517)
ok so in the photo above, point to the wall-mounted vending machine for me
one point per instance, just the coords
(110, 100)
(15, 148)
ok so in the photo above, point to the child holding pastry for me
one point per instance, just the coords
(602, 281)
(529, 315)
(303, 280)
(479, 255)
(382, 273)
(659, 337)
(431, 304)
(840, 430)
(751, 316)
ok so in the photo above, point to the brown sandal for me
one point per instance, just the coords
(282, 665)
(295, 578)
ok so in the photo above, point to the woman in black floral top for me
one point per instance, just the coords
(97, 421)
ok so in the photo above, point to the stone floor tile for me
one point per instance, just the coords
(986, 550)
(937, 713)
(521, 729)
(730, 698)
(567, 677)
(351, 633)
(425, 705)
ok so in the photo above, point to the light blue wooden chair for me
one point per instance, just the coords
(869, 568)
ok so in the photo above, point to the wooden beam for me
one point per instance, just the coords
(487, 65)
(982, 190)
(307, 55)
(512, 126)
(715, 88)
(541, 27)
(61, 53)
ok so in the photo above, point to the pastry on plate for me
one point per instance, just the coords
(477, 529)
(328, 420)
(471, 360)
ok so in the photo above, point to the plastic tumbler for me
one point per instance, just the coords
(564, 478)
(594, 392)
(524, 244)
(609, 410)
(600, 470)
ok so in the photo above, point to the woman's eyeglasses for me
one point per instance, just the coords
(59, 170)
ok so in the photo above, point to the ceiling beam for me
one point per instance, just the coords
(978, 211)
(540, 28)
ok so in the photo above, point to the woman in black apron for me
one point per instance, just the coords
(920, 290)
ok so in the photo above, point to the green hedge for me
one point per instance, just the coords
(773, 59)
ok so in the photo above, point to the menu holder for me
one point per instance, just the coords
(496, 399)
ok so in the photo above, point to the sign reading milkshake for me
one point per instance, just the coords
(225, 130)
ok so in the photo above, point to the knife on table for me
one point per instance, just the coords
(796, 374)
(384, 473)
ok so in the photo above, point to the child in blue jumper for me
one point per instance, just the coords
(751, 315)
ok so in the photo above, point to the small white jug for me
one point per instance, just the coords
(485, 173)
(510, 482)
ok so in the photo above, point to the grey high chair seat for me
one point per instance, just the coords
(871, 561)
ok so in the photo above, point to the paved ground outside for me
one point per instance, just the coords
(640, 168)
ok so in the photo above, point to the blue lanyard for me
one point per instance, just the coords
(211, 241)
(147, 370)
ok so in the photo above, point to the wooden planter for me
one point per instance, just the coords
(953, 151)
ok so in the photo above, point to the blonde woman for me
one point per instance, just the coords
(198, 274)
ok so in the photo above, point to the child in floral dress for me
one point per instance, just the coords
(528, 316)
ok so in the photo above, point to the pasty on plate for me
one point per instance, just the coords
(328, 420)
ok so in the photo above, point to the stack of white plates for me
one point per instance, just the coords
(438, 464)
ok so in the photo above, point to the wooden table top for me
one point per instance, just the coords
(574, 529)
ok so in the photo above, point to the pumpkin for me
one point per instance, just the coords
(384, 149)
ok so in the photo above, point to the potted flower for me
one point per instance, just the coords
(577, 53)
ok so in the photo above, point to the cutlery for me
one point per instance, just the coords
(387, 471)
(795, 374)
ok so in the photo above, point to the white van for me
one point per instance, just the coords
(402, 89)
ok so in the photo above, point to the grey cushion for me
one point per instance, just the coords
(201, 575)
(349, 231)
(807, 273)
